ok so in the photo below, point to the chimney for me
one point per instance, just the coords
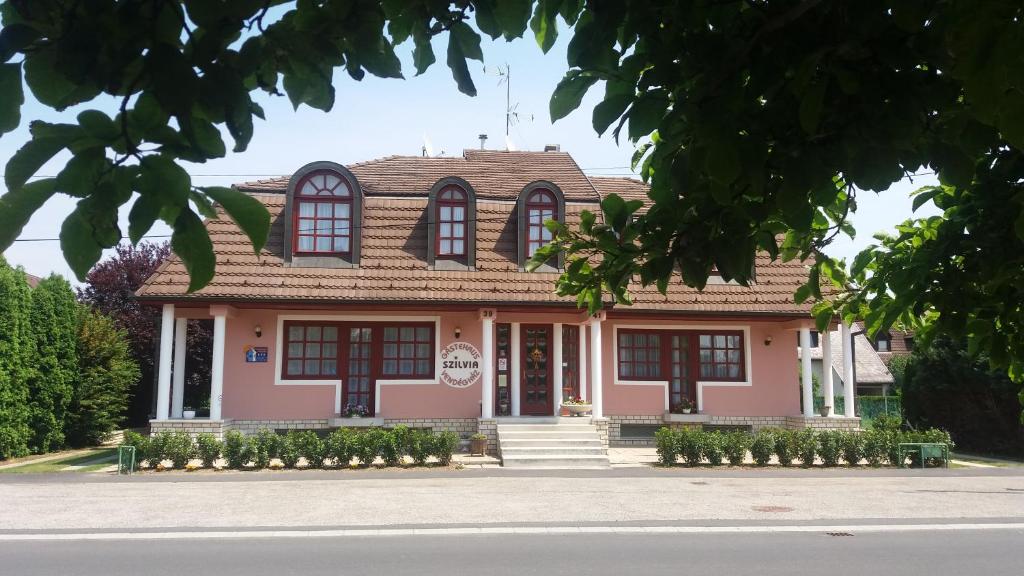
(552, 148)
(483, 139)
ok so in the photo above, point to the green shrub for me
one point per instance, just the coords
(667, 446)
(852, 447)
(403, 436)
(931, 435)
(365, 447)
(762, 446)
(806, 445)
(107, 372)
(141, 444)
(444, 445)
(158, 448)
(874, 447)
(736, 446)
(208, 448)
(312, 447)
(339, 446)
(179, 449)
(691, 445)
(714, 447)
(386, 446)
(290, 452)
(830, 446)
(892, 446)
(786, 446)
(887, 423)
(237, 449)
(421, 444)
(266, 445)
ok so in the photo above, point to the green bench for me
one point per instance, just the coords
(924, 451)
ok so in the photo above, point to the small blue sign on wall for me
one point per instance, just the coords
(256, 354)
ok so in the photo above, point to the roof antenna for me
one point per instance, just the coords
(428, 148)
(483, 140)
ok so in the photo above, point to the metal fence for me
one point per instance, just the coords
(867, 407)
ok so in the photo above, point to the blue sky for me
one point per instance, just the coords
(376, 117)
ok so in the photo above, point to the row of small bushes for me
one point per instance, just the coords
(877, 446)
(337, 449)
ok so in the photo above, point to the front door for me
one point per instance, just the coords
(536, 396)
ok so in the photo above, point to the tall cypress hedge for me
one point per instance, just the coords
(16, 353)
(54, 318)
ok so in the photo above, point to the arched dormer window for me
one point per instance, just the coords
(322, 216)
(538, 203)
(451, 225)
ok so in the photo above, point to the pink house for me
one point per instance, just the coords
(395, 290)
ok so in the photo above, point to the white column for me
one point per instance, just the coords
(514, 376)
(805, 371)
(178, 370)
(849, 386)
(217, 368)
(487, 394)
(556, 380)
(583, 362)
(827, 384)
(163, 383)
(596, 371)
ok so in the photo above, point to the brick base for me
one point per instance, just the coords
(822, 423)
(193, 427)
(614, 425)
(489, 427)
(250, 427)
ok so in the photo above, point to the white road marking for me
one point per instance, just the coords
(502, 530)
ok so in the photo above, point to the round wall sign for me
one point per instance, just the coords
(461, 365)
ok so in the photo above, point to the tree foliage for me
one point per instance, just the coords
(54, 369)
(755, 121)
(107, 372)
(16, 346)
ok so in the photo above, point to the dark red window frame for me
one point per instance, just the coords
(452, 204)
(377, 348)
(653, 351)
(693, 356)
(287, 342)
(322, 199)
(540, 200)
(421, 339)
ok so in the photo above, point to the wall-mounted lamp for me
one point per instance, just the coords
(258, 330)
(768, 340)
(458, 332)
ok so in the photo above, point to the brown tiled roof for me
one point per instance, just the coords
(33, 280)
(393, 265)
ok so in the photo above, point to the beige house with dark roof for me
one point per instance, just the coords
(396, 290)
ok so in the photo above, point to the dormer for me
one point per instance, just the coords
(538, 202)
(451, 225)
(323, 217)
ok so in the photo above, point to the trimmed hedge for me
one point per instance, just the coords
(877, 446)
(337, 449)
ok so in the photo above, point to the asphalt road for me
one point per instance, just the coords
(931, 553)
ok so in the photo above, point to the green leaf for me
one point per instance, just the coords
(422, 53)
(249, 213)
(924, 195)
(1011, 118)
(18, 205)
(143, 214)
(723, 160)
(614, 208)
(81, 174)
(168, 183)
(1018, 225)
(12, 96)
(609, 110)
(78, 242)
(30, 158)
(49, 84)
(646, 113)
(569, 93)
(98, 125)
(512, 16)
(810, 107)
(469, 40)
(486, 21)
(543, 24)
(191, 242)
(457, 63)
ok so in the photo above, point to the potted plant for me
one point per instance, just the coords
(478, 444)
(356, 411)
(188, 413)
(576, 406)
(684, 406)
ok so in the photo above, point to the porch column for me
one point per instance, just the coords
(178, 370)
(487, 393)
(163, 383)
(805, 371)
(826, 371)
(217, 368)
(596, 369)
(556, 356)
(849, 386)
(583, 362)
(516, 354)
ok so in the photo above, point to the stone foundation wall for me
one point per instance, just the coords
(615, 423)
(193, 427)
(755, 422)
(464, 427)
(615, 429)
(822, 423)
(602, 425)
(250, 427)
(489, 427)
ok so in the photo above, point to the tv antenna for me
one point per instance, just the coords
(512, 115)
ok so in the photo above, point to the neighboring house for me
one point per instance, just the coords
(33, 281)
(893, 343)
(398, 285)
(870, 373)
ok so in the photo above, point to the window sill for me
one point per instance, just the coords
(365, 422)
(692, 418)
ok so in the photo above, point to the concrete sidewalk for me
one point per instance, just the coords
(455, 498)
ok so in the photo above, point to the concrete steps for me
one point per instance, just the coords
(551, 443)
